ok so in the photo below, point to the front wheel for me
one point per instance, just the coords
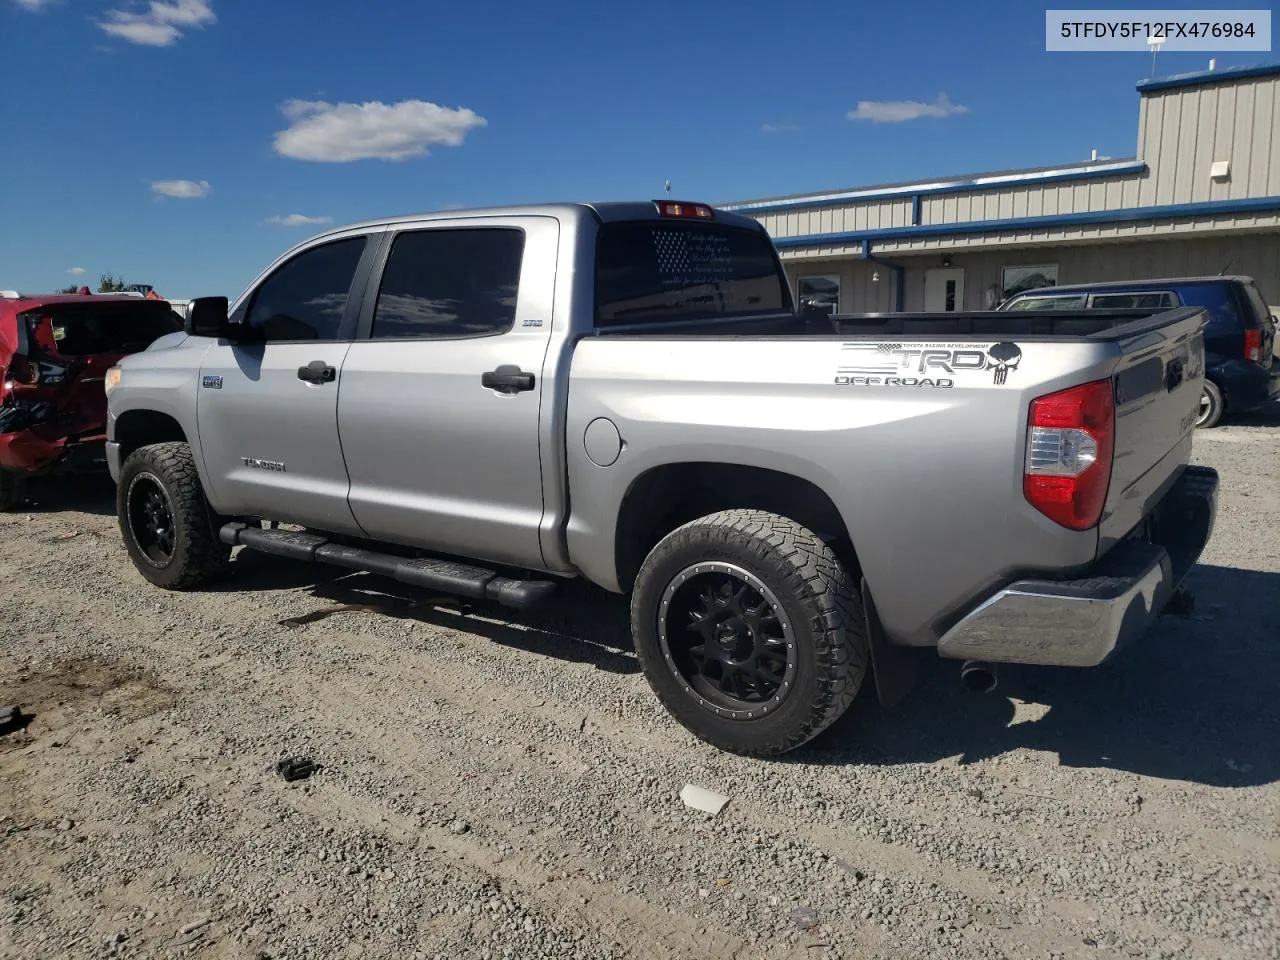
(749, 631)
(166, 522)
(1212, 406)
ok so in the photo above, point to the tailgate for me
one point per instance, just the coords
(1158, 380)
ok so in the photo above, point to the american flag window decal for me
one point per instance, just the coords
(664, 272)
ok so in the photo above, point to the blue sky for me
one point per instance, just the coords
(159, 139)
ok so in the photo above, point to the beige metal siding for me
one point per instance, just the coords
(859, 293)
(1183, 131)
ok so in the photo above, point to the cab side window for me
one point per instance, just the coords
(306, 298)
(450, 283)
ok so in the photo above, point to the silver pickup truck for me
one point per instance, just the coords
(488, 402)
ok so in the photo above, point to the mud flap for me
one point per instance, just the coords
(894, 667)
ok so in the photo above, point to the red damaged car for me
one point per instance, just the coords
(54, 352)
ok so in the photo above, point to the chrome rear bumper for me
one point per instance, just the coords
(1081, 623)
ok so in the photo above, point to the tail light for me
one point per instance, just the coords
(1070, 442)
(680, 210)
(1253, 345)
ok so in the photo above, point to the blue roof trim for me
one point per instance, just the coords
(1092, 171)
(1170, 211)
(1202, 77)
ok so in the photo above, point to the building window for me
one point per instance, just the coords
(1015, 280)
(822, 292)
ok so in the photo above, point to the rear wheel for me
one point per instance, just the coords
(750, 631)
(1212, 406)
(167, 525)
(13, 489)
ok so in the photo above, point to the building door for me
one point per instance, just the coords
(944, 290)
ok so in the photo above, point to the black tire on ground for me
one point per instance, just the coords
(13, 490)
(752, 588)
(1212, 406)
(168, 527)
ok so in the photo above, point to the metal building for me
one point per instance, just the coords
(1201, 196)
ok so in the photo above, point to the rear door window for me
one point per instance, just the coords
(661, 271)
(450, 283)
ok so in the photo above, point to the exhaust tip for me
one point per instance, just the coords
(978, 676)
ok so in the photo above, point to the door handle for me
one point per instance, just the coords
(508, 378)
(317, 371)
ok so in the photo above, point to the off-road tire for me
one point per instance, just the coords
(1217, 406)
(199, 557)
(13, 490)
(821, 601)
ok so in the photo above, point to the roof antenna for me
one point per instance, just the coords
(1155, 43)
(668, 189)
(1223, 271)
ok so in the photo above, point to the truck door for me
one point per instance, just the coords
(441, 392)
(268, 409)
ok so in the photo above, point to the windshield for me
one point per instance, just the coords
(662, 271)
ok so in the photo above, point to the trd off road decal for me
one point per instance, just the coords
(924, 364)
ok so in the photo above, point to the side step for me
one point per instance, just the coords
(459, 579)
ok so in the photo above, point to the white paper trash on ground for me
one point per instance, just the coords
(702, 799)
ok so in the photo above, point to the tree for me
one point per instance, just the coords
(71, 289)
(109, 283)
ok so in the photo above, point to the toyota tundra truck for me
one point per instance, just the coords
(491, 402)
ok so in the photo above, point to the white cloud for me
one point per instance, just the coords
(35, 6)
(161, 24)
(181, 189)
(341, 132)
(779, 127)
(298, 220)
(898, 111)
(76, 271)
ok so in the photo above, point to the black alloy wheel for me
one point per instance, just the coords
(150, 517)
(726, 637)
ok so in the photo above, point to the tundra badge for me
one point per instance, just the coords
(257, 464)
(212, 381)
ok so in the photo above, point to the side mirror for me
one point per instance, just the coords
(207, 317)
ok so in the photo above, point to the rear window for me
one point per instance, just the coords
(1262, 312)
(1217, 300)
(78, 330)
(664, 271)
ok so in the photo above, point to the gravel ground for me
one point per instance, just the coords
(498, 786)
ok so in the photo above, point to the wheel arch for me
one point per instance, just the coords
(139, 428)
(665, 497)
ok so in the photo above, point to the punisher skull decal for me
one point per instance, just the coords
(1003, 357)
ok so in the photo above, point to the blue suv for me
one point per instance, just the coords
(1239, 341)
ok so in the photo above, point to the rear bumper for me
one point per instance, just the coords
(1081, 623)
(1246, 386)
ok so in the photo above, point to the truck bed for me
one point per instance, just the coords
(914, 424)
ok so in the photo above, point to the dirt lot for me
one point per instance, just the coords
(508, 787)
